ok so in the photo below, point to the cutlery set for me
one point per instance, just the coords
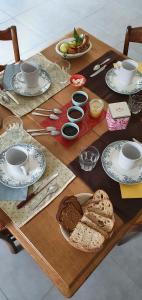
(49, 130)
(54, 116)
(98, 69)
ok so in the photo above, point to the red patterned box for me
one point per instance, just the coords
(117, 116)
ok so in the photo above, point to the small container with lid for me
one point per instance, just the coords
(96, 107)
(117, 116)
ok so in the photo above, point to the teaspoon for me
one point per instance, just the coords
(97, 67)
(51, 116)
(52, 189)
(48, 128)
(55, 110)
(53, 132)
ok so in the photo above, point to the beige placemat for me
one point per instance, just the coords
(54, 165)
(27, 104)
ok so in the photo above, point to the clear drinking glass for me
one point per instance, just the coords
(88, 158)
(12, 123)
(64, 66)
(135, 103)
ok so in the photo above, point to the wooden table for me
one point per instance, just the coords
(67, 267)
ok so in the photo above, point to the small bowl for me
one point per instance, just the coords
(73, 113)
(70, 131)
(77, 80)
(81, 96)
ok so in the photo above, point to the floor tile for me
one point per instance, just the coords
(107, 282)
(3, 296)
(14, 7)
(21, 278)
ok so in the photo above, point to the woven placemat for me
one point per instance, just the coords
(27, 104)
(54, 165)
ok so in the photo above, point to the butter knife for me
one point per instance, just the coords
(98, 71)
(37, 191)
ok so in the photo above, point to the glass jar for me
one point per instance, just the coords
(96, 107)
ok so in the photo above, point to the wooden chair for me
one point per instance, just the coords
(133, 35)
(7, 35)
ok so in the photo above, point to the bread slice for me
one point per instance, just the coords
(93, 225)
(100, 195)
(103, 207)
(104, 223)
(86, 237)
(69, 217)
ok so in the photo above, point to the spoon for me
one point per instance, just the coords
(48, 128)
(97, 67)
(53, 132)
(52, 189)
(55, 110)
(51, 116)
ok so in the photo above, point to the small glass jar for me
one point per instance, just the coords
(96, 107)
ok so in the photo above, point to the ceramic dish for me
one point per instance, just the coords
(75, 114)
(57, 48)
(110, 165)
(70, 131)
(77, 80)
(115, 85)
(37, 165)
(81, 96)
(21, 88)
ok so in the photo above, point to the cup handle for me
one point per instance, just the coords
(19, 77)
(24, 171)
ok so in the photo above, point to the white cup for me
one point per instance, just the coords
(126, 71)
(130, 155)
(17, 160)
(29, 74)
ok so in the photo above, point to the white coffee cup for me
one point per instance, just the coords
(17, 160)
(126, 71)
(29, 74)
(130, 155)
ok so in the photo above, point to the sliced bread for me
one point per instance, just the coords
(100, 195)
(103, 207)
(68, 216)
(93, 225)
(102, 222)
(85, 237)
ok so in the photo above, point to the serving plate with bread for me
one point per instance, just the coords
(86, 220)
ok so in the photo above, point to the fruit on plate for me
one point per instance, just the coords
(79, 43)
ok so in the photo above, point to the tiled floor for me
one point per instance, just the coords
(39, 23)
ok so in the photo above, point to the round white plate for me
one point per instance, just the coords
(109, 161)
(57, 48)
(37, 165)
(114, 84)
(22, 89)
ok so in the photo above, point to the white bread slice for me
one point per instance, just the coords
(104, 223)
(86, 237)
(100, 195)
(104, 208)
(93, 225)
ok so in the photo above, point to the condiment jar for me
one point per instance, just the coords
(96, 107)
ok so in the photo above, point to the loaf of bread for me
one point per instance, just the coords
(86, 237)
(102, 222)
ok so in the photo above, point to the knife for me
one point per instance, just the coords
(37, 191)
(98, 71)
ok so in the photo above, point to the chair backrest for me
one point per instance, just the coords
(7, 35)
(132, 35)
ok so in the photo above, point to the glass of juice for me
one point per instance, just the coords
(96, 107)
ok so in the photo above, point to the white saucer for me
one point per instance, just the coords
(109, 161)
(22, 89)
(114, 84)
(37, 165)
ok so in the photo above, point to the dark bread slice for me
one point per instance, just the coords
(69, 199)
(69, 217)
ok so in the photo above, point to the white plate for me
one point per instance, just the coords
(43, 85)
(109, 160)
(57, 48)
(114, 84)
(37, 165)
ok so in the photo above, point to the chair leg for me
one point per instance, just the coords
(137, 229)
(9, 239)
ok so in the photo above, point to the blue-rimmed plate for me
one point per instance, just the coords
(114, 84)
(109, 160)
(21, 88)
(36, 167)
